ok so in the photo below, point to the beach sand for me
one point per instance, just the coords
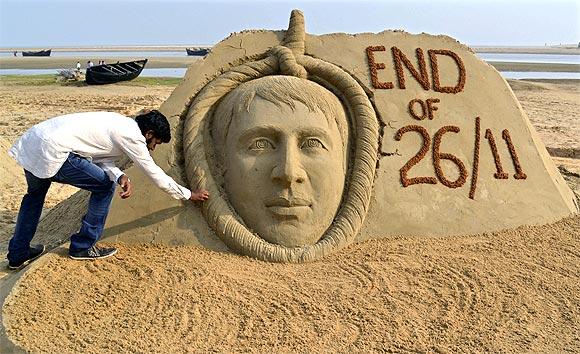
(511, 291)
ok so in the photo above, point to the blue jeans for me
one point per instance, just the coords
(76, 171)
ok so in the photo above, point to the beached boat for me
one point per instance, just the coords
(40, 53)
(197, 51)
(111, 73)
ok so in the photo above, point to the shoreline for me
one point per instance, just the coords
(110, 48)
(70, 62)
(185, 61)
(563, 49)
(567, 50)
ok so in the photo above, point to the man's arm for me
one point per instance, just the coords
(136, 150)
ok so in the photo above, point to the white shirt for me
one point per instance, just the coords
(103, 137)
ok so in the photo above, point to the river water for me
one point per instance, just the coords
(179, 72)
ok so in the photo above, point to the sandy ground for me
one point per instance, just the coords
(553, 108)
(513, 291)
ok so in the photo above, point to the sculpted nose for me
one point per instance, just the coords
(288, 170)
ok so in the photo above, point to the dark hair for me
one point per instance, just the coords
(156, 122)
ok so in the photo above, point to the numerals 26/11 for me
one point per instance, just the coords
(438, 156)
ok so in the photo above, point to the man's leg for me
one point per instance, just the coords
(83, 174)
(28, 217)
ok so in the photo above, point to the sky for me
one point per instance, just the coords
(56, 23)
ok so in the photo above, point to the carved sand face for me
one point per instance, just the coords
(285, 171)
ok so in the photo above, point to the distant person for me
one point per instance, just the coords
(78, 66)
(89, 64)
(80, 149)
(15, 53)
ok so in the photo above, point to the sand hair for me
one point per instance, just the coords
(279, 90)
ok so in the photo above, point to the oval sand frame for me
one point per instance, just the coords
(290, 60)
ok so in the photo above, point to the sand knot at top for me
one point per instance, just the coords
(203, 167)
(292, 47)
(296, 35)
(288, 63)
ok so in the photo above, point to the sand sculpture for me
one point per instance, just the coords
(309, 143)
(281, 142)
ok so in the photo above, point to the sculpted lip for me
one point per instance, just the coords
(287, 202)
(288, 207)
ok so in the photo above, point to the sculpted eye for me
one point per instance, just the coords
(312, 143)
(261, 144)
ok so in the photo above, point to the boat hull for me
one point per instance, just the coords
(112, 73)
(42, 53)
(197, 52)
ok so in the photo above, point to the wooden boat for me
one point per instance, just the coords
(197, 51)
(41, 53)
(111, 73)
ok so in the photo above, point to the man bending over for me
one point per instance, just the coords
(81, 149)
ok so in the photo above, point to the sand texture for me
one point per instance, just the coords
(511, 291)
(514, 291)
(553, 110)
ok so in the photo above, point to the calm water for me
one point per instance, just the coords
(491, 57)
(103, 55)
(530, 58)
(538, 75)
(171, 72)
(180, 72)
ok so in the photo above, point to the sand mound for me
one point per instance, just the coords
(453, 152)
(508, 291)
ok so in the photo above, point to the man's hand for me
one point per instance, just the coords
(200, 195)
(125, 184)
